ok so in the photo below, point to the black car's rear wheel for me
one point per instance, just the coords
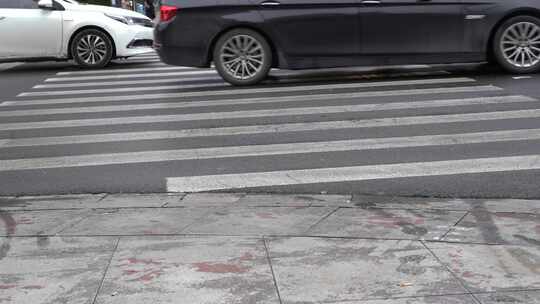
(517, 45)
(242, 57)
(92, 49)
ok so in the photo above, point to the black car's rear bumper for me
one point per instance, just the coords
(177, 50)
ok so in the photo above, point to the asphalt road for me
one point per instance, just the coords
(141, 126)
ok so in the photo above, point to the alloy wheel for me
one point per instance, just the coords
(92, 49)
(242, 57)
(520, 44)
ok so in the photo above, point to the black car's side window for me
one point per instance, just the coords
(28, 4)
(9, 4)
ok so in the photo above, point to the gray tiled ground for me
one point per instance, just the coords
(46, 222)
(502, 205)
(319, 269)
(529, 297)
(498, 228)
(487, 268)
(142, 221)
(259, 221)
(262, 200)
(53, 270)
(207, 200)
(464, 299)
(81, 201)
(388, 223)
(139, 200)
(189, 270)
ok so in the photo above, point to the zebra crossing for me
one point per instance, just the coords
(161, 128)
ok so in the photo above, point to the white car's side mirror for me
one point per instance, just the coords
(45, 4)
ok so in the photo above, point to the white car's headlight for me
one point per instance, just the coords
(124, 19)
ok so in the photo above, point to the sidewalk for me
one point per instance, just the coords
(237, 248)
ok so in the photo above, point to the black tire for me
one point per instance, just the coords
(259, 74)
(498, 51)
(105, 48)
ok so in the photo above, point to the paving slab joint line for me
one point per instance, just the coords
(181, 198)
(321, 219)
(455, 225)
(271, 269)
(461, 282)
(106, 270)
(72, 224)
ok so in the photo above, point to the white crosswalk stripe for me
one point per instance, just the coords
(119, 117)
(284, 89)
(258, 113)
(273, 128)
(357, 173)
(265, 150)
(385, 93)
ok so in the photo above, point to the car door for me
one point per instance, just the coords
(411, 27)
(27, 31)
(312, 28)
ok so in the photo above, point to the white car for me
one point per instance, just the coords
(91, 35)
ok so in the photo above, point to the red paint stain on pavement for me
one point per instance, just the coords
(265, 215)
(33, 287)
(468, 274)
(149, 276)
(132, 261)
(219, 268)
(246, 257)
(9, 222)
(24, 221)
(7, 286)
(130, 271)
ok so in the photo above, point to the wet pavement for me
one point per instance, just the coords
(259, 248)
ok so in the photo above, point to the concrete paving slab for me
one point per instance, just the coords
(189, 270)
(139, 200)
(141, 221)
(307, 200)
(488, 268)
(207, 200)
(53, 270)
(501, 205)
(523, 297)
(464, 299)
(321, 269)
(497, 228)
(29, 223)
(259, 221)
(391, 202)
(72, 201)
(388, 223)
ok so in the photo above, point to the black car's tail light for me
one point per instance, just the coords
(167, 12)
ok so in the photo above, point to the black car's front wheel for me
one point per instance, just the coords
(517, 45)
(92, 48)
(242, 57)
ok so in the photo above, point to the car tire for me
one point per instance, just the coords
(92, 49)
(242, 57)
(516, 43)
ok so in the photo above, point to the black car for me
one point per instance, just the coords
(245, 38)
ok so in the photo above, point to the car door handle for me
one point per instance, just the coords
(371, 2)
(2, 18)
(270, 3)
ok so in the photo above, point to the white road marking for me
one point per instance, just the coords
(266, 150)
(126, 82)
(352, 174)
(263, 90)
(271, 128)
(91, 99)
(123, 70)
(245, 101)
(9, 65)
(130, 76)
(279, 112)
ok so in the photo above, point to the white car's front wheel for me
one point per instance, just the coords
(92, 48)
